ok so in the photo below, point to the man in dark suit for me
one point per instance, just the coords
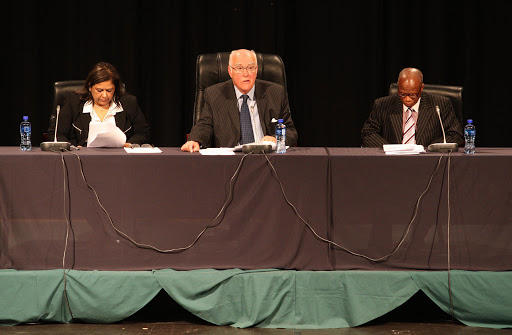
(241, 110)
(410, 117)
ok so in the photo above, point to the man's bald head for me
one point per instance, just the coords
(410, 86)
(410, 74)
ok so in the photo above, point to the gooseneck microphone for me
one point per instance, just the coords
(442, 147)
(55, 146)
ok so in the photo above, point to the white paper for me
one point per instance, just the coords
(143, 150)
(403, 149)
(217, 151)
(105, 135)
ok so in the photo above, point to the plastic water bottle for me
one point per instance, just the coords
(281, 137)
(469, 136)
(25, 131)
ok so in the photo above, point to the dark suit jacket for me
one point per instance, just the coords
(386, 118)
(219, 124)
(74, 125)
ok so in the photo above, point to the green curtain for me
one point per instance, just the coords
(260, 298)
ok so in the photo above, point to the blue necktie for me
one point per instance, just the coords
(245, 122)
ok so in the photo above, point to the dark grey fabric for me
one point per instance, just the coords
(354, 196)
(374, 197)
(164, 200)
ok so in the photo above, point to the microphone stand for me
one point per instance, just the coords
(442, 147)
(55, 146)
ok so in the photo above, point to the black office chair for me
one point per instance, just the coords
(454, 93)
(213, 68)
(61, 91)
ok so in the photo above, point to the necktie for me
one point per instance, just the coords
(409, 129)
(245, 122)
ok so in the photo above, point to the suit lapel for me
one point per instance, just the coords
(83, 120)
(261, 100)
(396, 119)
(424, 117)
(231, 108)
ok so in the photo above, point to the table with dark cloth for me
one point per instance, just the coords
(358, 197)
(374, 196)
(164, 200)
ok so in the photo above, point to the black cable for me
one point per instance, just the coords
(383, 258)
(448, 239)
(68, 225)
(228, 201)
(148, 246)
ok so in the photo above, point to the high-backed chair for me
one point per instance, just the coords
(213, 68)
(454, 93)
(61, 91)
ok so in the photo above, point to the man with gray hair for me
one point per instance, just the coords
(241, 110)
(410, 117)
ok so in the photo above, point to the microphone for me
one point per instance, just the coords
(442, 147)
(55, 146)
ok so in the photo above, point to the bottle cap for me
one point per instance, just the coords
(280, 120)
(470, 120)
(25, 118)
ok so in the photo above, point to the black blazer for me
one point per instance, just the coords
(74, 125)
(219, 124)
(384, 125)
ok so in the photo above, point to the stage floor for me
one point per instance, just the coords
(185, 327)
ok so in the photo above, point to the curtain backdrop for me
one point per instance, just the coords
(339, 56)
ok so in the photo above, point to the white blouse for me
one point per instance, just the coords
(113, 109)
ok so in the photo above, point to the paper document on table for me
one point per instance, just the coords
(105, 135)
(217, 151)
(143, 150)
(403, 149)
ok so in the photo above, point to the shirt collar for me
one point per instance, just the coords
(113, 109)
(239, 94)
(416, 106)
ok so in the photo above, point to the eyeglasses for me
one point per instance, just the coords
(410, 95)
(240, 69)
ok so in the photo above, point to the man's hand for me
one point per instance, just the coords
(269, 139)
(190, 146)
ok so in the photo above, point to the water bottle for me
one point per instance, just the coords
(469, 136)
(25, 131)
(281, 137)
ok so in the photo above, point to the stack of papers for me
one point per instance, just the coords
(403, 149)
(217, 151)
(143, 150)
(105, 135)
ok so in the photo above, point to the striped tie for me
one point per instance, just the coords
(409, 129)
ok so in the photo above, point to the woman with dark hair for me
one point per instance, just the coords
(102, 100)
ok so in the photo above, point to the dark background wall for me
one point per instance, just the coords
(339, 57)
